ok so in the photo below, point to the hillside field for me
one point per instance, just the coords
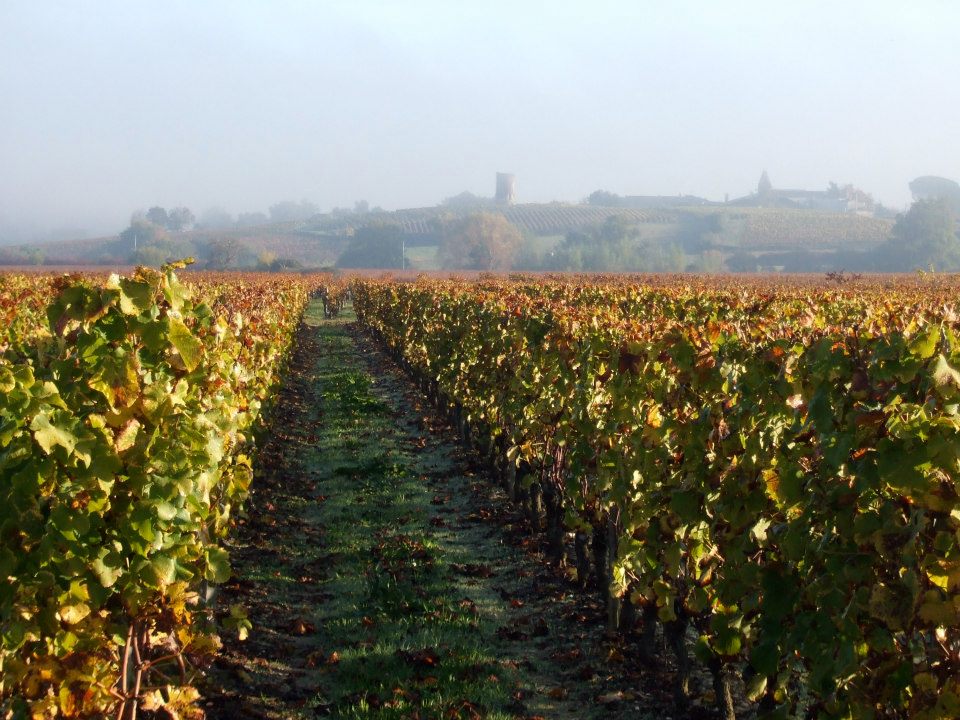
(319, 242)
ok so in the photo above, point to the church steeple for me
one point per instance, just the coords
(764, 186)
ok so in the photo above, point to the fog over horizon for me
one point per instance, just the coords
(110, 107)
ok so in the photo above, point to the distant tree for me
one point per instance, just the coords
(764, 187)
(35, 255)
(269, 262)
(151, 255)
(265, 260)
(158, 216)
(931, 187)
(923, 236)
(361, 207)
(222, 253)
(174, 220)
(21, 255)
(289, 211)
(285, 263)
(616, 228)
(158, 248)
(882, 211)
(215, 218)
(252, 218)
(378, 245)
(466, 201)
(742, 261)
(142, 232)
(179, 219)
(709, 261)
(604, 198)
(616, 245)
(482, 241)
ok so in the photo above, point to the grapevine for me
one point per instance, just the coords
(774, 466)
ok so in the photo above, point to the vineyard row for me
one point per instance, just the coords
(772, 470)
(129, 412)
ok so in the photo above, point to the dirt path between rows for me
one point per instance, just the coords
(386, 577)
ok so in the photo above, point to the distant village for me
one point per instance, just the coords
(771, 228)
(836, 198)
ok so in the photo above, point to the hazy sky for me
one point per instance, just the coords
(106, 107)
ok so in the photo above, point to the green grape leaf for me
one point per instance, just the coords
(136, 296)
(49, 435)
(107, 567)
(73, 614)
(946, 378)
(186, 344)
(166, 511)
(924, 344)
(218, 565)
(164, 569)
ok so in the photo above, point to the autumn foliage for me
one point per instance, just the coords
(128, 412)
(774, 464)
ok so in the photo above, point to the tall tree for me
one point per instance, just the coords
(222, 253)
(179, 218)
(378, 245)
(215, 218)
(252, 218)
(604, 198)
(142, 232)
(931, 187)
(483, 241)
(158, 216)
(923, 236)
(288, 210)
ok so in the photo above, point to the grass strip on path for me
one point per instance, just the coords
(376, 587)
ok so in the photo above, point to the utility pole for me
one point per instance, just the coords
(403, 253)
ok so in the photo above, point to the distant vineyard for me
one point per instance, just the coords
(763, 229)
(537, 219)
(546, 219)
(750, 229)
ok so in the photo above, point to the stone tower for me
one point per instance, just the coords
(506, 189)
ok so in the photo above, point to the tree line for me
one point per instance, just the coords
(923, 237)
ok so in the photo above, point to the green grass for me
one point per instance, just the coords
(358, 565)
(401, 638)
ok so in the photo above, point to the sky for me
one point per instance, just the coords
(110, 107)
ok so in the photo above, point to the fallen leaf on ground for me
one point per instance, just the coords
(614, 697)
(420, 658)
(473, 570)
(464, 710)
(302, 627)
